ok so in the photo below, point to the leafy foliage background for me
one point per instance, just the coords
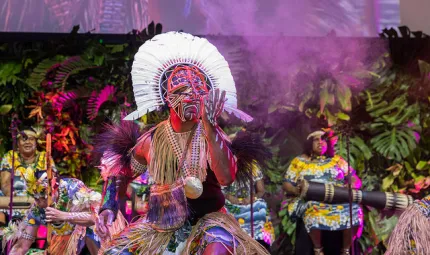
(70, 86)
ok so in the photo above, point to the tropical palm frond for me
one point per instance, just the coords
(69, 67)
(40, 71)
(396, 112)
(98, 99)
(9, 73)
(63, 98)
(396, 143)
(358, 150)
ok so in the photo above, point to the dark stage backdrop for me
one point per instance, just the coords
(226, 17)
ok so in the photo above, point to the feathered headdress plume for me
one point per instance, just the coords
(249, 150)
(115, 145)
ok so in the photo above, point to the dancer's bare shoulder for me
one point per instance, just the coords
(142, 149)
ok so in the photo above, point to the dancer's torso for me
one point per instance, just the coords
(211, 200)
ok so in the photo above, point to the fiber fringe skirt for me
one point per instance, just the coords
(217, 227)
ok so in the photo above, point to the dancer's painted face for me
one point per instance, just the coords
(186, 88)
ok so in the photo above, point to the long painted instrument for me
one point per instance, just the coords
(328, 193)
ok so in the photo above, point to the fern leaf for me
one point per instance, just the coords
(69, 67)
(40, 71)
(344, 95)
(63, 98)
(98, 99)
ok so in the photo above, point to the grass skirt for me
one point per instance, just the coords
(140, 238)
(412, 232)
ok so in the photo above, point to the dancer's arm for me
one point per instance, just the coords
(109, 209)
(25, 241)
(79, 218)
(259, 188)
(222, 162)
(109, 202)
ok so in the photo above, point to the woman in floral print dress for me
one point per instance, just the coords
(27, 155)
(319, 164)
(238, 203)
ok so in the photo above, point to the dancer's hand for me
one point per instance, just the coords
(213, 106)
(54, 215)
(103, 222)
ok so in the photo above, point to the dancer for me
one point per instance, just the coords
(70, 216)
(411, 234)
(187, 156)
(319, 164)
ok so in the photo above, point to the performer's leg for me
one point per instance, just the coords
(303, 245)
(264, 244)
(91, 245)
(218, 249)
(347, 239)
(316, 240)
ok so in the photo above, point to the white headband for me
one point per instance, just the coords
(316, 133)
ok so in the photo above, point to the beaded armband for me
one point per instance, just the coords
(137, 168)
(28, 237)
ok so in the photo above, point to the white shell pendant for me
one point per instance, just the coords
(193, 187)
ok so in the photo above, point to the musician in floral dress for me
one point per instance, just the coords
(26, 156)
(320, 164)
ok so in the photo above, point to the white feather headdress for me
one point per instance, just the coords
(168, 50)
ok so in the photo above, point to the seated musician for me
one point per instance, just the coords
(26, 156)
(319, 164)
(70, 215)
